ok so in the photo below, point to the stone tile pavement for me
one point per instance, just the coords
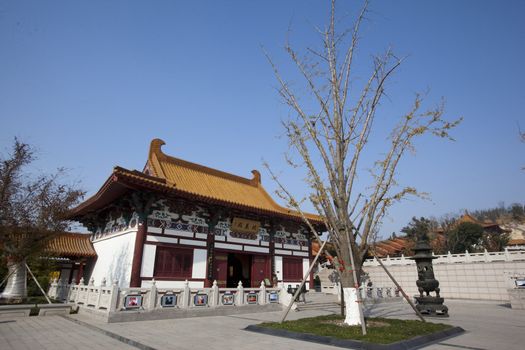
(489, 325)
(52, 332)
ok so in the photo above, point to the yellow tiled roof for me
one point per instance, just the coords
(71, 244)
(211, 183)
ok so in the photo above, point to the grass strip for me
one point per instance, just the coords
(379, 330)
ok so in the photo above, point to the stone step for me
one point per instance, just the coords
(316, 306)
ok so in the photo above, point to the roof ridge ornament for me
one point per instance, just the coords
(256, 180)
(156, 147)
(155, 156)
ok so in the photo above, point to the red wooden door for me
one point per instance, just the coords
(260, 270)
(221, 269)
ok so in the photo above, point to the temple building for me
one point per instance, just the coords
(72, 252)
(177, 221)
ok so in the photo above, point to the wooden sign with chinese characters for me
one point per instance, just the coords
(245, 225)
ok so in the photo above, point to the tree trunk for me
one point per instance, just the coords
(16, 287)
(352, 315)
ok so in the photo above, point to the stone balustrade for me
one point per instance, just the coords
(504, 256)
(106, 300)
(373, 295)
(378, 294)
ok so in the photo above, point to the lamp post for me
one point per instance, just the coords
(426, 282)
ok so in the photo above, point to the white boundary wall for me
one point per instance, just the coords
(482, 276)
(115, 256)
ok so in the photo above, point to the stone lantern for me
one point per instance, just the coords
(426, 281)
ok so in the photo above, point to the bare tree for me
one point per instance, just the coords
(330, 142)
(32, 211)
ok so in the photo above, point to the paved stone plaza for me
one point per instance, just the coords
(488, 325)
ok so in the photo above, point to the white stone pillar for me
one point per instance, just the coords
(240, 295)
(467, 256)
(80, 285)
(486, 255)
(53, 289)
(186, 295)
(262, 294)
(214, 301)
(114, 296)
(507, 254)
(152, 296)
(97, 305)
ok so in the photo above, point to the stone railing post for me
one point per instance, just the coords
(114, 296)
(70, 290)
(59, 294)
(262, 294)
(65, 289)
(486, 255)
(467, 256)
(102, 285)
(240, 295)
(80, 285)
(152, 301)
(90, 291)
(507, 254)
(449, 257)
(53, 289)
(214, 300)
(186, 295)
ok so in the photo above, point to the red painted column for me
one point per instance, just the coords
(272, 257)
(210, 261)
(136, 264)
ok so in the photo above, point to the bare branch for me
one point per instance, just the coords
(331, 141)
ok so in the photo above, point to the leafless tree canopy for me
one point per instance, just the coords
(330, 142)
(32, 208)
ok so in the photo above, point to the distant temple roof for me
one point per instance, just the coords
(487, 225)
(391, 247)
(175, 176)
(516, 241)
(71, 245)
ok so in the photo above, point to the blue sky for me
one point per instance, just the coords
(90, 83)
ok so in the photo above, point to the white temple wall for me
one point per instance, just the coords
(306, 265)
(463, 280)
(115, 255)
(148, 260)
(199, 263)
(279, 267)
